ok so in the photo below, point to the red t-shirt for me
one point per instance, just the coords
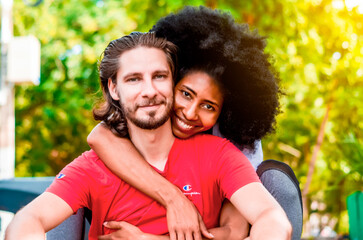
(206, 168)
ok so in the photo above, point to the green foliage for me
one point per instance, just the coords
(316, 48)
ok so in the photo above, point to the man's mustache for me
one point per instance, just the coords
(149, 102)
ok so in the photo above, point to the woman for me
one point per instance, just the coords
(225, 78)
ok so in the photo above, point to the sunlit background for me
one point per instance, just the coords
(316, 47)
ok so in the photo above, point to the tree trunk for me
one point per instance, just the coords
(319, 142)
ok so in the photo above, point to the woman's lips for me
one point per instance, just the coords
(183, 125)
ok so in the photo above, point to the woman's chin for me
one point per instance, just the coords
(181, 134)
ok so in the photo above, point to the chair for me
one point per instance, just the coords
(17, 192)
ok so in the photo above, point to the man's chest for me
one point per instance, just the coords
(132, 206)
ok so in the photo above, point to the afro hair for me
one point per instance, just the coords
(206, 38)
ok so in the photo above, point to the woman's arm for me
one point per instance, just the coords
(232, 226)
(120, 155)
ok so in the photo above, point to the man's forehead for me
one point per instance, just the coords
(143, 60)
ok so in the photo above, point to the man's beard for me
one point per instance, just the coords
(152, 122)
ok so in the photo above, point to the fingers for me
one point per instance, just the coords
(190, 236)
(197, 236)
(113, 225)
(104, 237)
(172, 235)
(187, 236)
(203, 229)
(186, 224)
(206, 234)
(180, 236)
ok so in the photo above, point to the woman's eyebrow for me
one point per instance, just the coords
(208, 101)
(191, 90)
(211, 102)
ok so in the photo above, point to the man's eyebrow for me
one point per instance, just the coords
(132, 74)
(162, 72)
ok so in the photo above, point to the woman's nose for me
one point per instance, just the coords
(190, 112)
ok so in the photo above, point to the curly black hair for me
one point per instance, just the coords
(207, 37)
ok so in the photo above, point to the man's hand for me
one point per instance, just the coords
(184, 220)
(125, 231)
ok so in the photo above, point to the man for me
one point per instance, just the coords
(137, 78)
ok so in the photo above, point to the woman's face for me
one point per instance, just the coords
(197, 104)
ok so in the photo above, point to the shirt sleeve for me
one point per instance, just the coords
(233, 169)
(255, 156)
(72, 184)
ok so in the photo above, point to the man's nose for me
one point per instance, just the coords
(190, 112)
(149, 89)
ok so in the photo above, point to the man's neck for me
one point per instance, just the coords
(154, 145)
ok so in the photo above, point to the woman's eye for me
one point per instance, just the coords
(208, 107)
(185, 94)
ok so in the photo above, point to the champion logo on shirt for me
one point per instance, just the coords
(187, 189)
(60, 176)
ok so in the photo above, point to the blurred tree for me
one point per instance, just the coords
(316, 47)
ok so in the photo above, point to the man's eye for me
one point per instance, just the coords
(160, 76)
(134, 79)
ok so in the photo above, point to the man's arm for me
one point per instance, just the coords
(261, 210)
(123, 159)
(232, 227)
(38, 217)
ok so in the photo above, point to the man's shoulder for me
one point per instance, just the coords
(88, 161)
(89, 169)
(89, 157)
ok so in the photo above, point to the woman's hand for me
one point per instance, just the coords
(184, 220)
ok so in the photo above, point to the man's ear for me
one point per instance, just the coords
(113, 90)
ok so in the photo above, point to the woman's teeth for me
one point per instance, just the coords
(184, 125)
